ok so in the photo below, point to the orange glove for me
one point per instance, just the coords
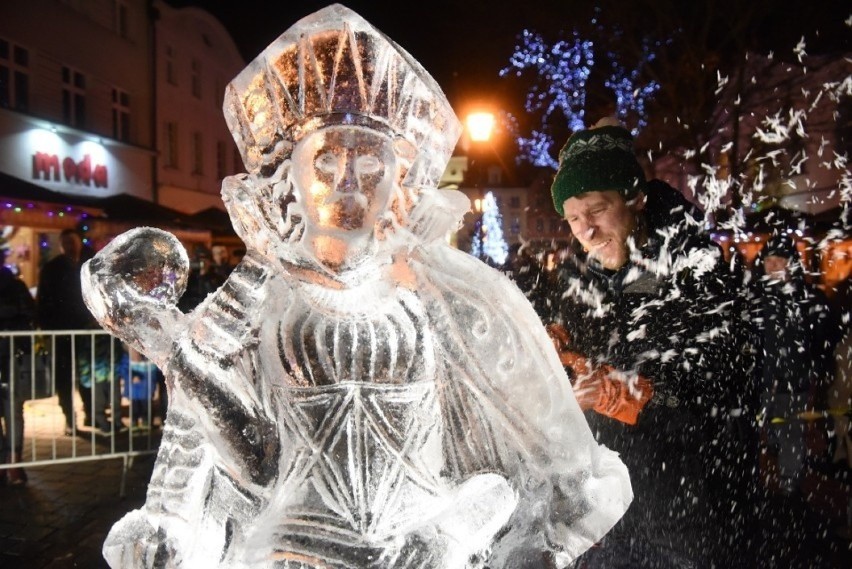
(599, 388)
(558, 335)
(618, 399)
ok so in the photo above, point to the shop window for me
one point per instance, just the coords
(171, 74)
(73, 97)
(196, 78)
(120, 115)
(197, 153)
(170, 150)
(14, 76)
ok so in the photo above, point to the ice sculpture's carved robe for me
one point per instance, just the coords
(374, 400)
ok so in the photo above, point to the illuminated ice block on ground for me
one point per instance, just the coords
(358, 393)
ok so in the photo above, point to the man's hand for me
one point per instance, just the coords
(620, 399)
(600, 388)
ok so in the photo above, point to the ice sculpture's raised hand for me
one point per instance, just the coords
(132, 288)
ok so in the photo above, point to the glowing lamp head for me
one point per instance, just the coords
(480, 126)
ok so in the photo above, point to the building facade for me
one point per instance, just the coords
(110, 104)
(76, 116)
(195, 59)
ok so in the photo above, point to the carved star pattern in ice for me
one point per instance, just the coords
(361, 449)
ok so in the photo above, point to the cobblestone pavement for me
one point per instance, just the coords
(61, 517)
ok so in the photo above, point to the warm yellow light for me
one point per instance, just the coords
(477, 204)
(480, 126)
(318, 189)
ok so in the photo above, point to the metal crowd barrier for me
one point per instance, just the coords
(98, 377)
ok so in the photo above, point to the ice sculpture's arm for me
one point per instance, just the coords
(132, 287)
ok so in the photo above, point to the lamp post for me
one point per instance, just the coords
(479, 126)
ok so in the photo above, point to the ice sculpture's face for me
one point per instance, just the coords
(344, 176)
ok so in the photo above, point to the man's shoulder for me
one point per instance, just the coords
(57, 263)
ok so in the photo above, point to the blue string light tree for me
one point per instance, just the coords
(559, 81)
(488, 242)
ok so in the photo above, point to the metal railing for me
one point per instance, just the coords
(76, 395)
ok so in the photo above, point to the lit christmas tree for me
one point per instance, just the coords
(488, 242)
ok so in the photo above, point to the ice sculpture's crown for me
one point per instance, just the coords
(334, 68)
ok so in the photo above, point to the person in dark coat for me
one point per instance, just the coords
(797, 334)
(202, 280)
(646, 326)
(60, 307)
(17, 312)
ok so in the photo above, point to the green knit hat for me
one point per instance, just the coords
(599, 159)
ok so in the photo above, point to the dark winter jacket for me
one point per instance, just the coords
(670, 315)
(793, 326)
(60, 297)
(17, 312)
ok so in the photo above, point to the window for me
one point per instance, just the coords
(554, 225)
(170, 149)
(171, 74)
(14, 76)
(120, 115)
(495, 175)
(197, 154)
(515, 202)
(73, 97)
(196, 78)
(516, 226)
(221, 157)
(539, 225)
(121, 14)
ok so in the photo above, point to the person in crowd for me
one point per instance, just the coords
(646, 325)
(201, 281)
(222, 266)
(796, 337)
(102, 364)
(60, 306)
(145, 380)
(17, 312)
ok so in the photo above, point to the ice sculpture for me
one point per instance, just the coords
(358, 393)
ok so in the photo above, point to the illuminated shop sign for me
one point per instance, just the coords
(49, 167)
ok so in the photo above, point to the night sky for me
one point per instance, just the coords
(465, 43)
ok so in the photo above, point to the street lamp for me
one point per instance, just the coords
(480, 127)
